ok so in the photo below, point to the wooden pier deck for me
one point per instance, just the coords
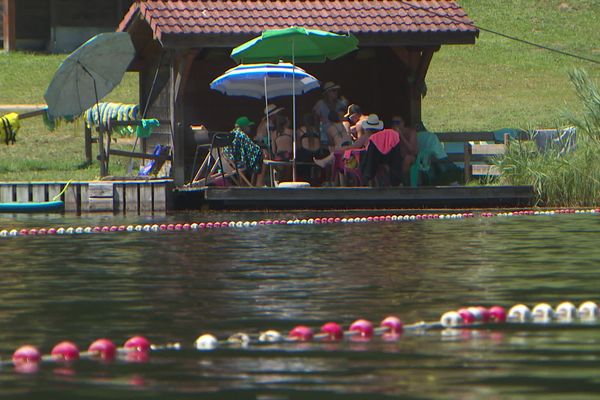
(353, 197)
(135, 196)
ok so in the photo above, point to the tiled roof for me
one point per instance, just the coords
(227, 17)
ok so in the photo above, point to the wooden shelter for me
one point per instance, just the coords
(183, 45)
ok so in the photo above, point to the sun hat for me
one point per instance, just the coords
(353, 109)
(272, 109)
(372, 122)
(330, 86)
(243, 122)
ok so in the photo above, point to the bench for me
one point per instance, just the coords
(476, 156)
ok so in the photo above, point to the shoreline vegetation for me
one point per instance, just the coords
(494, 84)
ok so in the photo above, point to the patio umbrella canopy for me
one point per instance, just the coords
(295, 44)
(89, 73)
(264, 81)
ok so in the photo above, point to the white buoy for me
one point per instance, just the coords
(206, 342)
(240, 339)
(588, 311)
(451, 319)
(519, 313)
(566, 312)
(543, 313)
(270, 336)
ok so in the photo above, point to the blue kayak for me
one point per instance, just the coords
(34, 207)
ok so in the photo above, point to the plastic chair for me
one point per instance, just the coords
(206, 172)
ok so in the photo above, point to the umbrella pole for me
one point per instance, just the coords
(294, 115)
(269, 151)
(103, 166)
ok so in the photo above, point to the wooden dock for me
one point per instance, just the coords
(219, 198)
(135, 196)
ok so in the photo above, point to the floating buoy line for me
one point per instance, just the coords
(27, 358)
(196, 226)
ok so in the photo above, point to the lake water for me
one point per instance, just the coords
(174, 286)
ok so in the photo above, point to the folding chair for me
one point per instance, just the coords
(216, 158)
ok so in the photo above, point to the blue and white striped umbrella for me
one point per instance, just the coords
(265, 81)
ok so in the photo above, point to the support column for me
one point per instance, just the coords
(9, 25)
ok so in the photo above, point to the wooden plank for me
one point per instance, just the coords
(488, 149)
(131, 198)
(148, 156)
(101, 189)
(23, 193)
(9, 25)
(466, 136)
(484, 169)
(53, 190)
(159, 197)
(145, 197)
(119, 197)
(100, 204)
(72, 198)
(38, 193)
(83, 196)
(6, 193)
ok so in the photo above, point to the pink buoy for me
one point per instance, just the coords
(52, 231)
(185, 227)
(121, 228)
(467, 316)
(363, 327)
(302, 333)
(497, 314)
(170, 227)
(394, 324)
(42, 231)
(103, 348)
(317, 220)
(201, 225)
(209, 225)
(337, 220)
(65, 351)
(26, 354)
(23, 232)
(137, 343)
(333, 330)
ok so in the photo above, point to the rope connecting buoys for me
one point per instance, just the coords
(187, 227)
(137, 348)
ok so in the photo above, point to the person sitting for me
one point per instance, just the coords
(337, 133)
(331, 101)
(262, 129)
(352, 121)
(283, 141)
(408, 146)
(383, 153)
(246, 154)
(309, 146)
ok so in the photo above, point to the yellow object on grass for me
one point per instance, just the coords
(9, 125)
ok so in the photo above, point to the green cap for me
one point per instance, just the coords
(243, 122)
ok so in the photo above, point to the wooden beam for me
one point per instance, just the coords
(9, 25)
(176, 116)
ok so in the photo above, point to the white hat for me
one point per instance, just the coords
(330, 86)
(372, 122)
(272, 109)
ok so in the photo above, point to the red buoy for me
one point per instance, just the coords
(26, 354)
(103, 348)
(333, 330)
(364, 327)
(497, 314)
(466, 315)
(394, 324)
(302, 333)
(138, 343)
(65, 351)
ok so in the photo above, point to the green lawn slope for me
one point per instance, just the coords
(494, 84)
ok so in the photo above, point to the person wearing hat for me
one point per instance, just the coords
(261, 130)
(243, 151)
(352, 120)
(331, 101)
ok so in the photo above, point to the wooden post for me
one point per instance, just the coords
(88, 144)
(9, 25)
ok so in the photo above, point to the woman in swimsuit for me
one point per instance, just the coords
(337, 133)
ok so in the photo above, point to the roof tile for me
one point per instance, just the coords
(253, 16)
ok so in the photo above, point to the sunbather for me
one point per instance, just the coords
(408, 146)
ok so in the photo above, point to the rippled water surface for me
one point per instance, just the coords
(173, 286)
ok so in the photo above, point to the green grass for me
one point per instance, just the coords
(494, 84)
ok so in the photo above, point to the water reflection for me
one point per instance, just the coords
(175, 286)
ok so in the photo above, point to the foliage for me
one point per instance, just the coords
(562, 178)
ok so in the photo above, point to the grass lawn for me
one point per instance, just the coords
(494, 84)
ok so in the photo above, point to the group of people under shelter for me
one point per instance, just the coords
(336, 145)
